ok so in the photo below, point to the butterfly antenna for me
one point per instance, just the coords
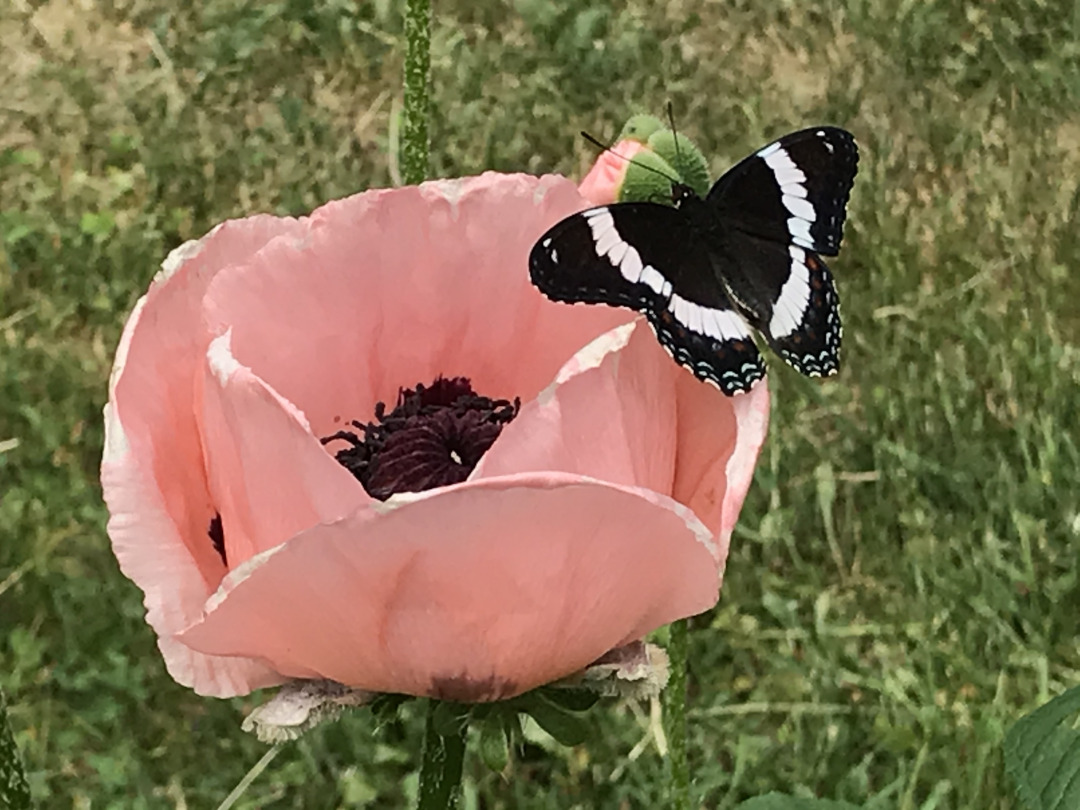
(604, 148)
(674, 134)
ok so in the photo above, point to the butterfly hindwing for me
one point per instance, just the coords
(813, 347)
(645, 256)
(794, 190)
(787, 293)
(732, 365)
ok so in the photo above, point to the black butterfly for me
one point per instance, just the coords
(706, 270)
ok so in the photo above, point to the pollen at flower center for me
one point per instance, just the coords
(434, 437)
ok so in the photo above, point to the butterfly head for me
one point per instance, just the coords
(680, 193)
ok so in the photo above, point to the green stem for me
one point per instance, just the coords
(415, 145)
(249, 777)
(442, 760)
(675, 717)
(14, 790)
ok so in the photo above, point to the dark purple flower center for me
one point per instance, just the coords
(434, 437)
(217, 536)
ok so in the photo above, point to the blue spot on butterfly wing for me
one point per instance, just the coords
(733, 366)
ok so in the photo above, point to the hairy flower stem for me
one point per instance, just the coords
(443, 757)
(444, 749)
(14, 791)
(675, 717)
(414, 136)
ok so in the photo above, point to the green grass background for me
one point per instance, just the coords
(902, 585)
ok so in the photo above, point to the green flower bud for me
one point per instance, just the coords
(648, 179)
(640, 127)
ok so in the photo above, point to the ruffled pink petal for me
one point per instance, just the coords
(154, 555)
(717, 446)
(152, 468)
(475, 592)
(611, 414)
(602, 184)
(270, 478)
(153, 378)
(620, 410)
(394, 287)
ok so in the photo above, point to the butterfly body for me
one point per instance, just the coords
(709, 271)
(705, 226)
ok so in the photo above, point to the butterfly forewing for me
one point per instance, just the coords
(645, 256)
(577, 261)
(793, 191)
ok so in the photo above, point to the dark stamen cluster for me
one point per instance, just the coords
(434, 437)
(217, 536)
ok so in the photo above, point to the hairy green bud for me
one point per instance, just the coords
(640, 127)
(648, 179)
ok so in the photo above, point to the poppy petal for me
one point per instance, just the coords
(602, 184)
(717, 447)
(620, 410)
(475, 592)
(270, 478)
(391, 287)
(152, 469)
(151, 400)
(610, 415)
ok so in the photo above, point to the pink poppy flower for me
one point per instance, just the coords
(545, 485)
